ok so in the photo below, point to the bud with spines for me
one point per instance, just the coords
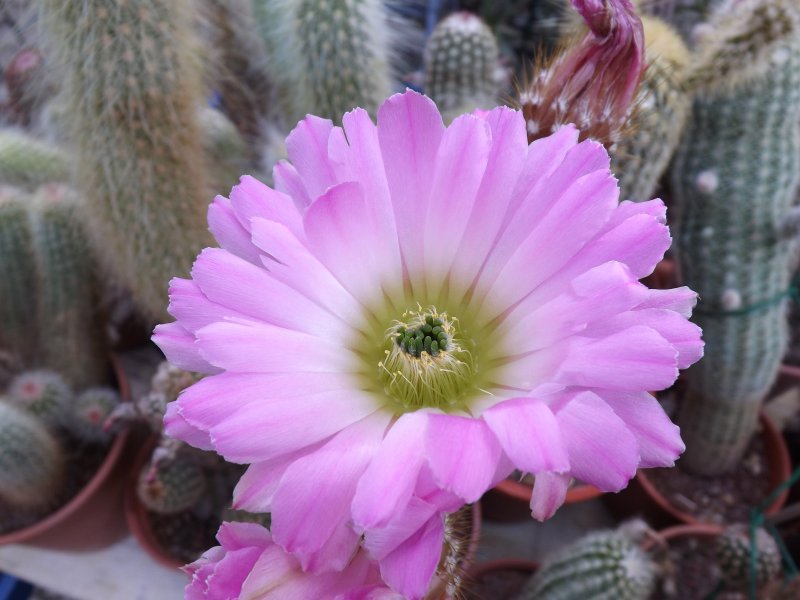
(461, 59)
(171, 486)
(329, 56)
(604, 564)
(133, 84)
(32, 465)
(43, 394)
(734, 180)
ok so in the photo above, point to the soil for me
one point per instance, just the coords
(82, 463)
(498, 585)
(691, 571)
(720, 499)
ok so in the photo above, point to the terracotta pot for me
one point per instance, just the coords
(517, 568)
(788, 377)
(136, 513)
(510, 500)
(438, 592)
(93, 518)
(664, 276)
(642, 497)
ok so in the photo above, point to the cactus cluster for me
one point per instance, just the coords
(734, 180)
(462, 65)
(603, 564)
(132, 87)
(32, 461)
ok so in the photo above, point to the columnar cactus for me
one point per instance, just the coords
(734, 181)
(329, 56)
(73, 340)
(170, 487)
(44, 394)
(734, 551)
(28, 162)
(91, 409)
(661, 109)
(461, 59)
(604, 564)
(32, 464)
(133, 87)
(18, 278)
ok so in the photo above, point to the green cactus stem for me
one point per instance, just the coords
(461, 65)
(604, 564)
(32, 464)
(734, 552)
(170, 487)
(44, 394)
(28, 162)
(91, 409)
(734, 181)
(132, 86)
(329, 56)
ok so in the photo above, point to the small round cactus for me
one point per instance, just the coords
(31, 460)
(167, 383)
(92, 408)
(733, 555)
(171, 487)
(28, 162)
(44, 394)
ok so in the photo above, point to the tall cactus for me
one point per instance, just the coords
(604, 564)
(133, 87)
(329, 55)
(32, 463)
(461, 59)
(73, 340)
(734, 180)
(18, 278)
(656, 124)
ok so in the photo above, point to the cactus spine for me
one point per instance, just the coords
(170, 487)
(18, 279)
(330, 55)
(73, 340)
(31, 460)
(461, 65)
(662, 107)
(734, 179)
(733, 555)
(604, 564)
(28, 162)
(44, 394)
(133, 87)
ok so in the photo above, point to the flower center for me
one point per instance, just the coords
(427, 363)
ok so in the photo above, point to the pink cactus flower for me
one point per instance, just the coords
(250, 566)
(414, 312)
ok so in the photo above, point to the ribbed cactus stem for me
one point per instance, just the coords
(734, 180)
(329, 56)
(73, 337)
(28, 162)
(18, 278)
(171, 487)
(32, 464)
(604, 564)
(734, 554)
(661, 109)
(461, 59)
(133, 86)
(44, 394)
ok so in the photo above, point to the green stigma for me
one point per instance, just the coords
(427, 362)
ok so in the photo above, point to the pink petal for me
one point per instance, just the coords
(192, 308)
(233, 282)
(549, 493)
(462, 454)
(528, 433)
(409, 131)
(256, 488)
(382, 541)
(178, 345)
(635, 359)
(305, 518)
(176, 426)
(410, 568)
(659, 439)
(288, 424)
(229, 232)
(256, 347)
(288, 181)
(602, 450)
(307, 148)
(389, 482)
(682, 300)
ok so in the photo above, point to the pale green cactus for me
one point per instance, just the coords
(32, 466)
(44, 394)
(28, 162)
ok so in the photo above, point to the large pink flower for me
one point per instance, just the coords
(414, 312)
(250, 566)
